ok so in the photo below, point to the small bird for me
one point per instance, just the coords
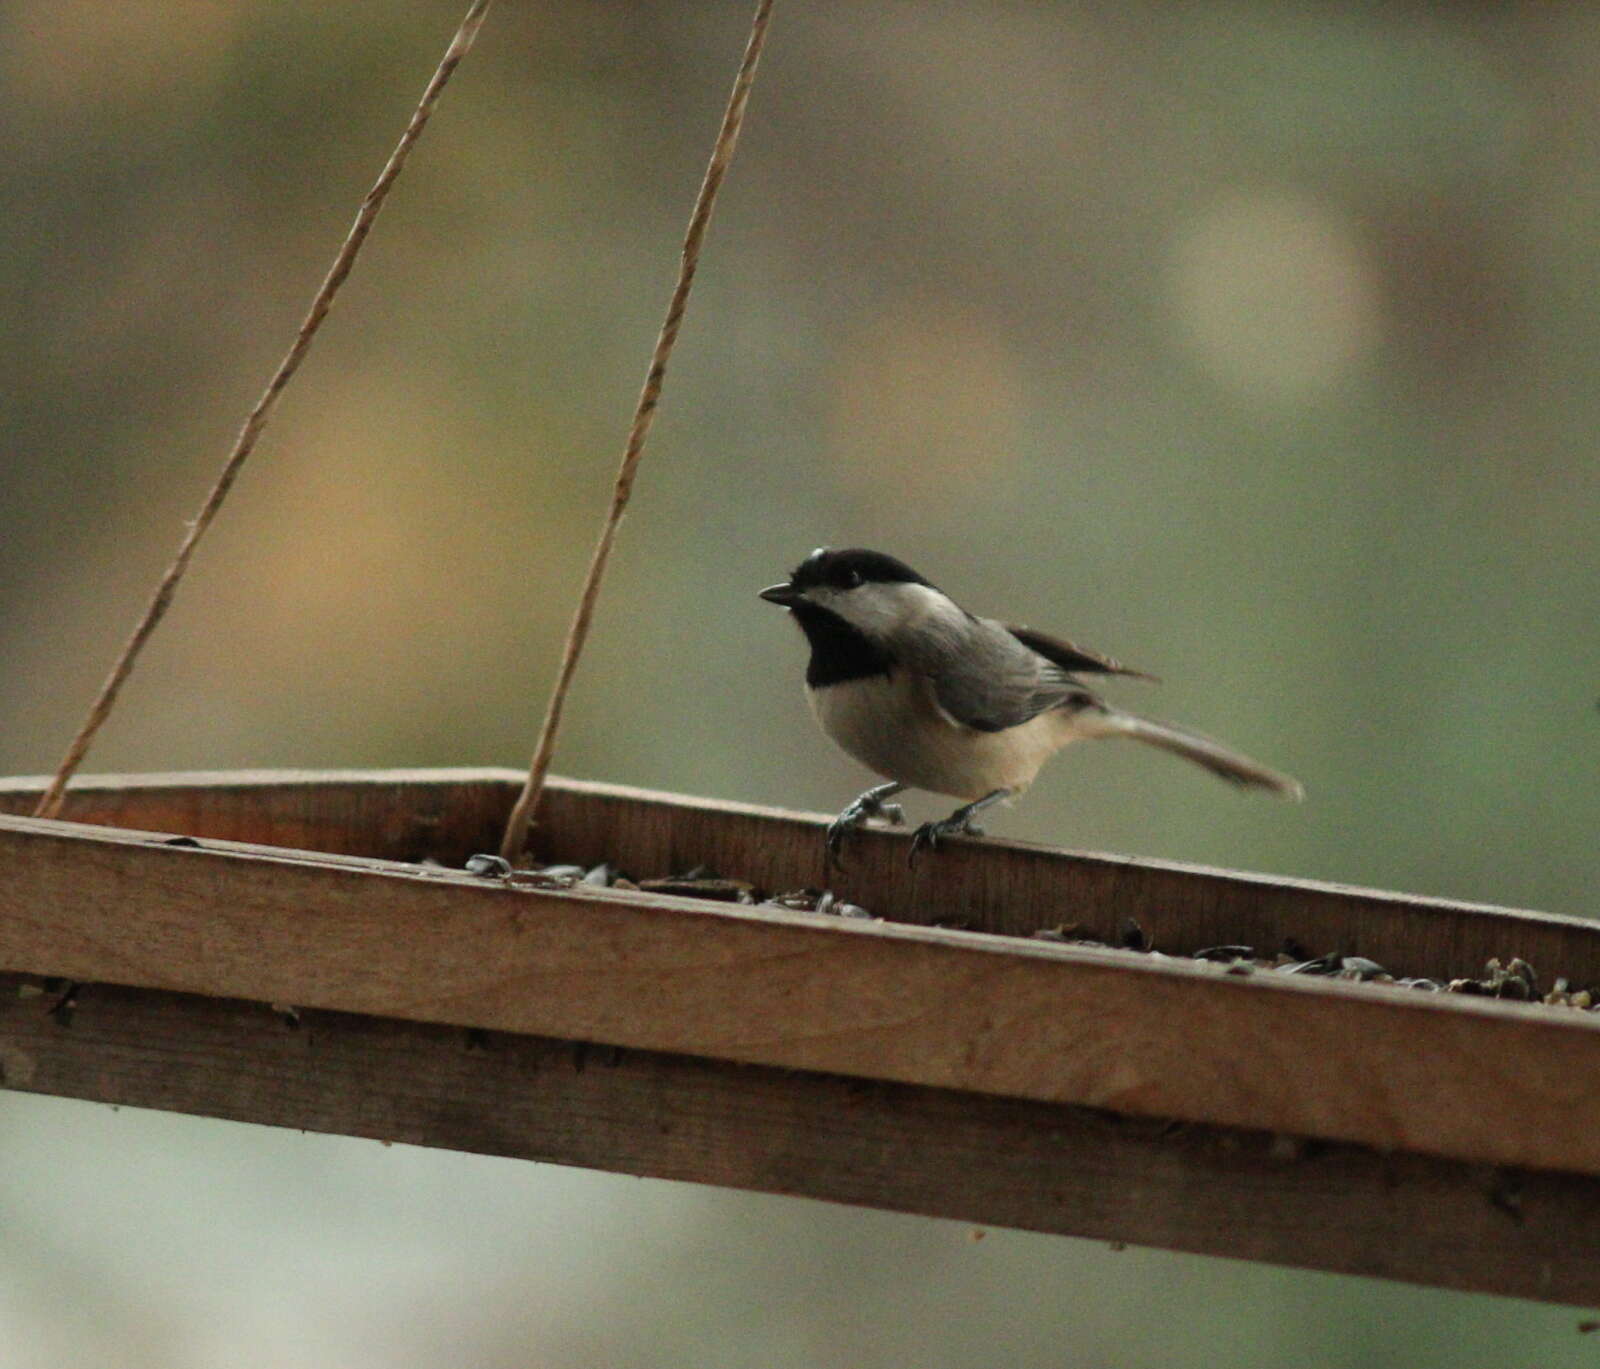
(906, 681)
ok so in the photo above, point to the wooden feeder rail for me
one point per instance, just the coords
(1149, 1099)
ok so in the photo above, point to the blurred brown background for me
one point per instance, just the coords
(1254, 343)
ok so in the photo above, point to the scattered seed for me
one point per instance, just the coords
(540, 879)
(699, 886)
(1322, 964)
(1515, 979)
(797, 900)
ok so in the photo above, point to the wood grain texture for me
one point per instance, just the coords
(988, 885)
(995, 1161)
(1464, 1078)
(393, 814)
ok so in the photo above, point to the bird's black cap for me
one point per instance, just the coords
(840, 651)
(846, 567)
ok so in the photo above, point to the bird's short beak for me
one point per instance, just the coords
(786, 595)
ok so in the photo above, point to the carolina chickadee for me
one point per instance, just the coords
(913, 686)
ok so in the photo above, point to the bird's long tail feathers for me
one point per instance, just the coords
(1202, 750)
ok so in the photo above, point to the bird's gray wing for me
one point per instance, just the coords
(984, 677)
(1071, 656)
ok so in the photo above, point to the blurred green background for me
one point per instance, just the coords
(1253, 343)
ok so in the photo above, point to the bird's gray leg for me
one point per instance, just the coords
(868, 805)
(958, 823)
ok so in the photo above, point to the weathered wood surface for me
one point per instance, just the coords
(1464, 1078)
(995, 1161)
(990, 885)
(392, 814)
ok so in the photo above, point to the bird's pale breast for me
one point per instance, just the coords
(892, 724)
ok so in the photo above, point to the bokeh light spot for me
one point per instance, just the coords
(1275, 295)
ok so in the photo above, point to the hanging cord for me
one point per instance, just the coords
(649, 397)
(50, 804)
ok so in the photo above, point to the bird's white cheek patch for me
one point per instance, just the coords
(883, 610)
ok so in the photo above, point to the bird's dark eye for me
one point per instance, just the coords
(852, 579)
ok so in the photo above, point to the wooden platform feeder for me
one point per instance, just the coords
(967, 1070)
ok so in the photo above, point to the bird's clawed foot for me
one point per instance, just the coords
(959, 823)
(869, 805)
(928, 836)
